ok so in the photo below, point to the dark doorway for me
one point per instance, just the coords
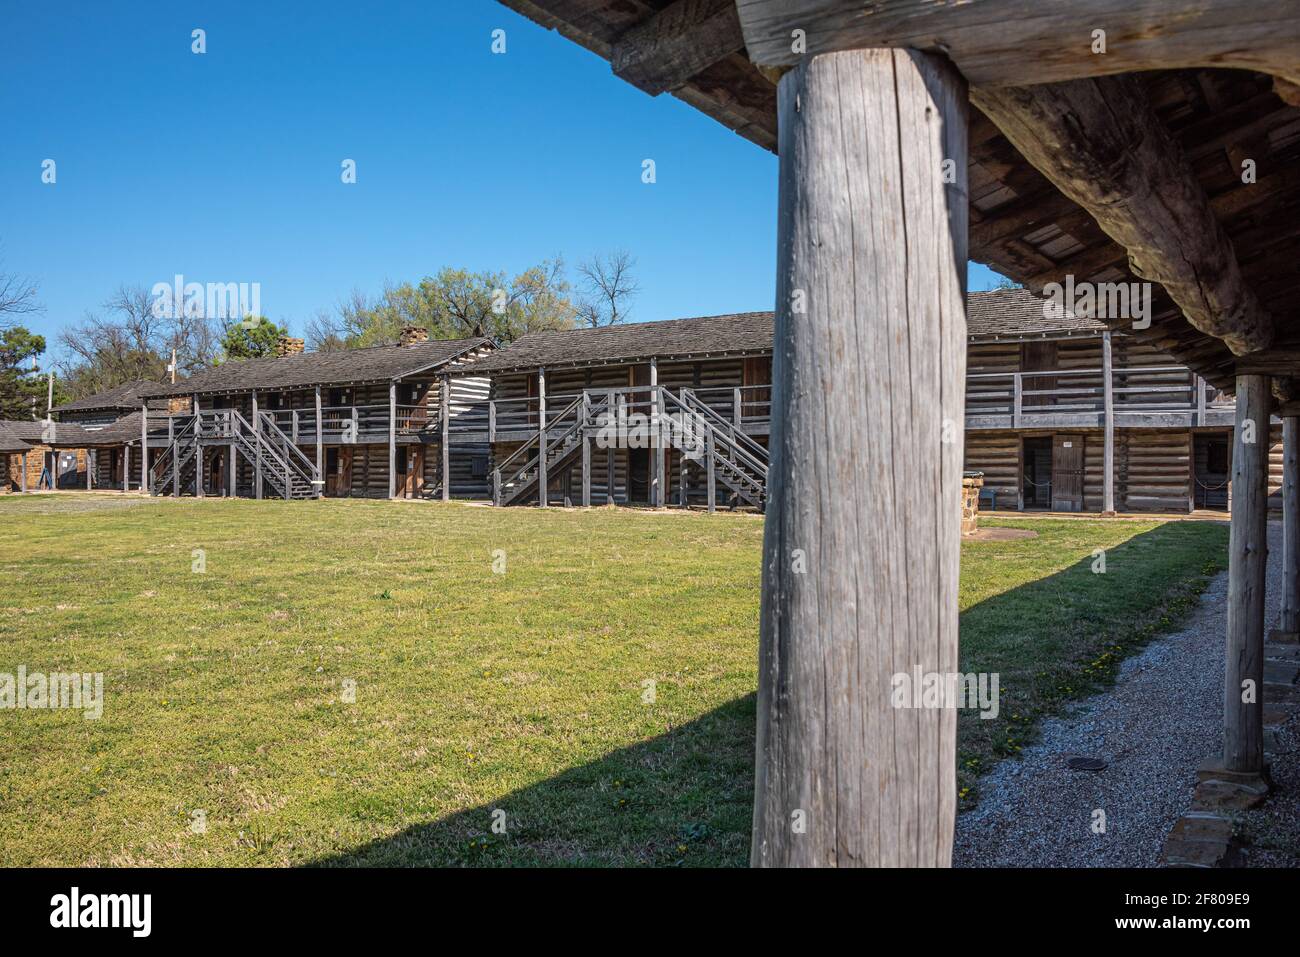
(1212, 467)
(638, 476)
(1037, 476)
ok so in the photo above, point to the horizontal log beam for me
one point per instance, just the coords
(1012, 42)
(1102, 145)
(664, 51)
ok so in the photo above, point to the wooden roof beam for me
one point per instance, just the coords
(664, 51)
(1101, 144)
(1006, 42)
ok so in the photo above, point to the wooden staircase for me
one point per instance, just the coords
(703, 436)
(275, 459)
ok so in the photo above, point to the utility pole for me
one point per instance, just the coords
(172, 368)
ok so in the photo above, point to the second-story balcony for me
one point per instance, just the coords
(1139, 396)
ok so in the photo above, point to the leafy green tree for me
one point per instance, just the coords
(254, 338)
(22, 385)
(452, 304)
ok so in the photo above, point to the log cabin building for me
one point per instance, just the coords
(1045, 396)
(352, 423)
(609, 404)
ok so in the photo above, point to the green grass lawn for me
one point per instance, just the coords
(599, 692)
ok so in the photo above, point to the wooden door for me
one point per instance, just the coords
(344, 481)
(412, 482)
(331, 473)
(1067, 473)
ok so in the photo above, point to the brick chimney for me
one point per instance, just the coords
(414, 334)
(288, 346)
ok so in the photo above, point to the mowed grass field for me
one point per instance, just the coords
(594, 695)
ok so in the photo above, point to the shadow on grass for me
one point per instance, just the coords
(682, 798)
(685, 797)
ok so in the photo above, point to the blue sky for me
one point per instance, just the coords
(225, 167)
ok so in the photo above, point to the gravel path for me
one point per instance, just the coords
(1154, 727)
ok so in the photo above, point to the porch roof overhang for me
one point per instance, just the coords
(1021, 222)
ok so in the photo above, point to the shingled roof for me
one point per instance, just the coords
(10, 442)
(40, 432)
(345, 367)
(999, 313)
(745, 333)
(124, 396)
(1019, 314)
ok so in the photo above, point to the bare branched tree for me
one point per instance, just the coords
(607, 289)
(17, 298)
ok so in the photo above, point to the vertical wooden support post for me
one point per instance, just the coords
(657, 497)
(232, 467)
(126, 468)
(257, 441)
(145, 484)
(92, 455)
(1108, 440)
(1200, 399)
(1289, 622)
(492, 421)
(586, 451)
(542, 492)
(320, 438)
(446, 439)
(1243, 728)
(712, 478)
(1017, 399)
(22, 479)
(176, 469)
(860, 578)
(612, 408)
(392, 439)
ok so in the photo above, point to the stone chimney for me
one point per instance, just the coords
(288, 346)
(412, 335)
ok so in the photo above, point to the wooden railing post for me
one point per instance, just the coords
(1243, 708)
(1018, 399)
(842, 776)
(712, 472)
(492, 421)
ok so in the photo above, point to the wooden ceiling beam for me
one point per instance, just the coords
(1101, 144)
(1006, 42)
(665, 50)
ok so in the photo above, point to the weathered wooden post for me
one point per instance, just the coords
(1108, 440)
(1243, 704)
(320, 437)
(861, 546)
(584, 435)
(542, 493)
(22, 479)
(145, 484)
(392, 439)
(446, 439)
(257, 440)
(657, 497)
(1288, 628)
